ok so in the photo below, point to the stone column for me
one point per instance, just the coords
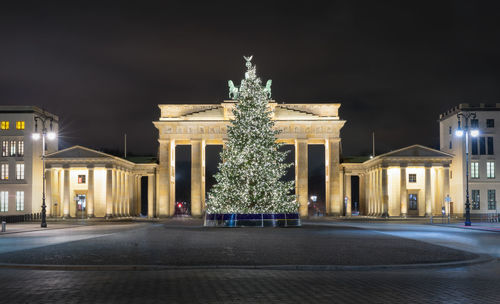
(165, 186)
(48, 192)
(126, 207)
(301, 175)
(362, 187)
(385, 193)
(90, 192)
(122, 193)
(109, 192)
(446, 183)
(66, 194)
(334, 199)
(428, 192)
(196, 176)
(376, 192)
(439, 197)
(348, 194)
(369, 192)
(203, 172)
(115, 192)
(151, 181)
(403, 191)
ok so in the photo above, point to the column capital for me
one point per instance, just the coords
(428, 165)
(403, 165)
(90, 167)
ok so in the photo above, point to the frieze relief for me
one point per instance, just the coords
(307, 129)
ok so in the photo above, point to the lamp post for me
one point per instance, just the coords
(459, 132)
(49, 134)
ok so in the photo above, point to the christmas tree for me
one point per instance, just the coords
(249, 177)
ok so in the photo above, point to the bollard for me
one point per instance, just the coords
(4, 224)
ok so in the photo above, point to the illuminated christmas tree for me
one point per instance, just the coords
(249, 177)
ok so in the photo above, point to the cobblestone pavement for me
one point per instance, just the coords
(472, 284)
(178, 243)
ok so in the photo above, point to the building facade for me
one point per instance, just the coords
(20, 159)
(484, 179)
(409, 182)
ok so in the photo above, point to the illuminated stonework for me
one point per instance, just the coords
(201, 125)
(385, 188)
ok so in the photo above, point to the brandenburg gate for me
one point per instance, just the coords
(200, 125)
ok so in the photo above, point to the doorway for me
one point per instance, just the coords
(413, 204)
(81, 205)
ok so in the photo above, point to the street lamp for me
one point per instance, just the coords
(459, 132)
(51, 135)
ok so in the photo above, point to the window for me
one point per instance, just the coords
(450, 145)
(474, 170)
(412, 202)
(474, 145)
(4, 201)
(492, 204)
(4, 171)
(5, 148)
(20, 148)
(13, 148)
(476, 200)
(490, 123)
(449, 130)
(490, 169)
(482, 145)
(20, 201)
(81, 179)
(19, 171)
(474, 123)
(20, 125)
(412, 178)
(4, 125)
(490, 145)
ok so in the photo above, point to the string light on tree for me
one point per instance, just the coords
(249, 177)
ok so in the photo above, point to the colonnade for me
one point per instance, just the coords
(375, 191)
(121, 198)
(166, 174)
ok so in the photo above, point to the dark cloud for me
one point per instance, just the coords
(103, 67)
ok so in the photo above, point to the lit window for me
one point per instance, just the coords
(490, 169)
(4, 174)
(4, 125)
(490, 123)
(20, 201)
(476, 205)
(12, 148)
(412, 178)
(5, 148)
(474, 170)
(492, 203)
(20, 148)
(19, 171)
(4, 201)
(81, 179)
(20, 125)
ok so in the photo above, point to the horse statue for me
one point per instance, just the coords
(267, 89)
(233, 91)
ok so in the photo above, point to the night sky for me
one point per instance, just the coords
(394, 66)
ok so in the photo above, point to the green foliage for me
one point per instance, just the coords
(249, 177)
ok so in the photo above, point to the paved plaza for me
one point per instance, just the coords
(187, 263)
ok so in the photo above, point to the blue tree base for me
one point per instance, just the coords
(253, 220)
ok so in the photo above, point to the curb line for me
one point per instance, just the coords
(480, 260)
